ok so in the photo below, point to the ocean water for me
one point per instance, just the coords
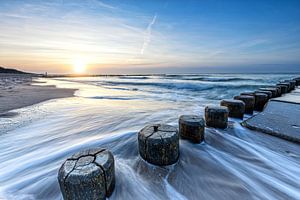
(235, 163)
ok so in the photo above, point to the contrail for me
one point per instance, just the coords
(147, 37)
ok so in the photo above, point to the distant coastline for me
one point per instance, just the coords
(12, 71)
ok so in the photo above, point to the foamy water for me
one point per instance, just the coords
(108, 111)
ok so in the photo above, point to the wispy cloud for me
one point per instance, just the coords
(104, 5)
(45, 35)
(101, 38)
(147, 36)
(254, 43)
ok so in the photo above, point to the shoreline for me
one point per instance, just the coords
(153, 74)
(17, 92)
(238, 160)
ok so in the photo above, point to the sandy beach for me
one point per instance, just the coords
(17, 91)
(156, 100)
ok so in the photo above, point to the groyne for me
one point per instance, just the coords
(166, 139)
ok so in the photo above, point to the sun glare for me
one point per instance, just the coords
(79, 66)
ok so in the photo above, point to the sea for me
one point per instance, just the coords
(108, 112)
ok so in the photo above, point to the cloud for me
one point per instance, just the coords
(254, 43)
(43, 35)
(147, 36)
(104, 5)
(86, 33)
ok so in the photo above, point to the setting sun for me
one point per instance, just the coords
(79, 66)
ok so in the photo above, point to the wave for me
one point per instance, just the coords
(221, 79)
(182, 86)
(113, 98)
(208, 77)
(134, 77)
(121, 88)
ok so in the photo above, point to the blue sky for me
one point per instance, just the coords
(150, 36)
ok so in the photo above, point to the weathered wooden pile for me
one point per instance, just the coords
(90, 174)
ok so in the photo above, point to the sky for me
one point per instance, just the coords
(157, 36)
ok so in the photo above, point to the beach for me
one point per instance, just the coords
(17, 91)
(108, 112)
(149, 100)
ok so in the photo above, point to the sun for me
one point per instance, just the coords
(79, 66)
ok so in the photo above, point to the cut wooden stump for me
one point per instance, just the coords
(236, 108)
(89, 174)
(159, 144)
(216, 116)
(192, 127)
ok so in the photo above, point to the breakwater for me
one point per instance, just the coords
(158, 144)
(232, 163)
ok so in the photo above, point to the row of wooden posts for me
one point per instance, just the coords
(90, 174)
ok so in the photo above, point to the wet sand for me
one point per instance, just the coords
(17, 91)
